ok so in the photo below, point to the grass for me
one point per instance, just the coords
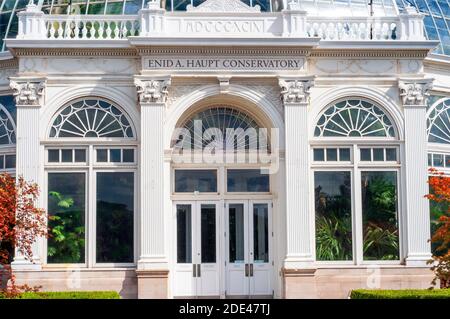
(69, 295)
(401, 294)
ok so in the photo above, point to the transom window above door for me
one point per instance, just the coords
(222, 128)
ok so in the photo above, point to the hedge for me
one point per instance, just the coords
(401, 294)
(69, 295)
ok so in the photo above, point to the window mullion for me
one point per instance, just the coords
(357, 209)
(91, 210)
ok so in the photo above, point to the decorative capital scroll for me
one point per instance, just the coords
(28, 92)
(295, 90)
(152, 90)
(415, 92)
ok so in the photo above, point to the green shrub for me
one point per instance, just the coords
(401, 294)
(69, 295)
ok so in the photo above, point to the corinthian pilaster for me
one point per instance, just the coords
(414, 93)
(29, 96)
(152, 95)
(295, 94)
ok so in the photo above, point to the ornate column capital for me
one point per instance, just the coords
(152, 90)
(414, 92)
(295, 90)
(28, 92)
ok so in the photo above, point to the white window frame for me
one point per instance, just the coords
(356, 166)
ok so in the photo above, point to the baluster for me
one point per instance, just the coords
(108, 29)
(362, 31)
(385, 31)
(124, 30)
(339, 31)
(393, 32)
(60, 30)
(100, 29)
(354, 32)
(92, 29)
(316, 30)
(51, 25)
(84, 31)
(117, 28)
(331, 31)
(377, 34)
(322, 30)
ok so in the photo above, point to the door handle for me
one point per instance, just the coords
(199, 273)
(194, 270)
(251, 270)
(246, 270)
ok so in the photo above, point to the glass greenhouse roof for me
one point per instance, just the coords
(437, 12)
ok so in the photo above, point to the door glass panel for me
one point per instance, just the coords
(261, 233)
(236, 231)
(184, 234)
(208, 233)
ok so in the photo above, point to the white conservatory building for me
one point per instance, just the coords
(227, 148)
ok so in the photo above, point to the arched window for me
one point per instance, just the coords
(439, 123)
(355, 157)
(91, 118)
(91, 163)
(224, 127)
(354, 118)
(7, 127)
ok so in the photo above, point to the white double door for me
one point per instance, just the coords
(222, 249)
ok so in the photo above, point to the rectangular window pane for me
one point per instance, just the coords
(333, 206)
(128, 155)
(208, 233)
(331, 154)
(447, 160)
(184, 234)
(344, 154)
(66, 156)
(115, 217)
(378, 154)
(66, 210)
(391, 154)
(2, 162)
(430, 159)
(438, 160)
(319, 154)
(102, 156)
(114, 155)
(365, 154)
(247, 180)
(261, 233)
(80, 156)
(10, 161)
(189, 181)
(380, 216)
(53, 156)
(236, 230)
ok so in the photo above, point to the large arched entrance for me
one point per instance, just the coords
(222, 203)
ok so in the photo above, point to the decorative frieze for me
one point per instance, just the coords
(28, 92)
(152, 90)
(295, 90)
(414, 92)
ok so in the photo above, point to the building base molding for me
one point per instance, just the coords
(337, 283)
(418, 260)
(152, 284)
(124, 281)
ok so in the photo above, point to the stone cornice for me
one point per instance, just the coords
(9, 64)
(80, 52)
(364, 53)
(195, 50)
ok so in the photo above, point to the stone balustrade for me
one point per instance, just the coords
(353, 28)
(94, 27)
(153, 21)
